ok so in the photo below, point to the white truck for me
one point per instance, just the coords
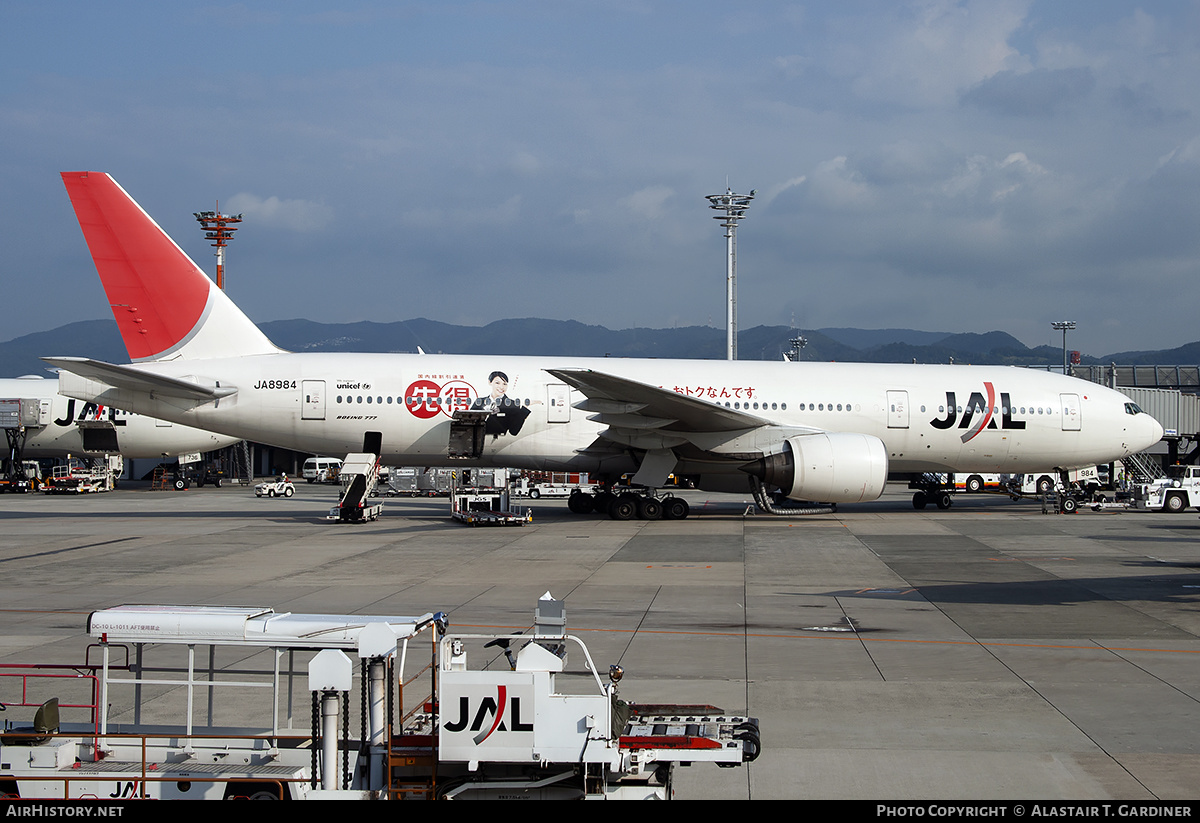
(1177, 491)
(321, 469)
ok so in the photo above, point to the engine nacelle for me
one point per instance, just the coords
(832, 467)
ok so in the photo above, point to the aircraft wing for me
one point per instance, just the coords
(660, 422)
(620, 400)
(135, 380)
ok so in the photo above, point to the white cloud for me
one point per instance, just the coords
(925, 53)
(649, 202)
(296, 215)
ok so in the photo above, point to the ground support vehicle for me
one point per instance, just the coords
(359, 475)
(1120, 500)
(76, 477)
(22, 476)
(483, 503)
(279, 487)
(1177, 491)
(321, 470)
(932, 488)
(475, 732)
(207, 475)
(406, 481)
(539, 490)
(1066, 491)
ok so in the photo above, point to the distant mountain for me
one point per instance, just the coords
(1188, 354)
(872, 338)
(98, 339)
(532, 336)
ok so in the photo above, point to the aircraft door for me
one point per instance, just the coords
(558, 403)
(897, 409)
(313, 400)
(1070, 412)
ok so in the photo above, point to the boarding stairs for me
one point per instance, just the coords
(1141, 468)
(359, 476)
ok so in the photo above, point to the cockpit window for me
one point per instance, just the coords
(1132, 408)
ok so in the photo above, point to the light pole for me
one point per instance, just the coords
(734, 207)
(1064, 326)
(217, 227)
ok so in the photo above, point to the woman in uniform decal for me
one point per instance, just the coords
(508, 415)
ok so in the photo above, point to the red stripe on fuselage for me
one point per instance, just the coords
(141, 267)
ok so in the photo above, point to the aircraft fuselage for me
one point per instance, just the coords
(930, 418)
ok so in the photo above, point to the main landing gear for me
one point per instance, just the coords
(629, 503)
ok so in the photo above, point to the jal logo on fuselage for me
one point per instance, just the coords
(91, 411)
(494, 708)
(979, 405)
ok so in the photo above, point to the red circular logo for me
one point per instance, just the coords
(421, 398)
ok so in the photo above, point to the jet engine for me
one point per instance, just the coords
(831, 467)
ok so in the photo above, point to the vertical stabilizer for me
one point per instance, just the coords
(164, 305)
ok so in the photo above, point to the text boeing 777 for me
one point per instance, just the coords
(827, 432)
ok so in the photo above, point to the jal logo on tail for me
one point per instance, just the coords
(501, 713)
(984, 407)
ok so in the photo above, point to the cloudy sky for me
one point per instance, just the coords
(941, 165)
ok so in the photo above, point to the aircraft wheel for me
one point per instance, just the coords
(601, 501)
(579, 503)
(675, 508)
(649, 509)
(944, 501)
(974, 484)
(920, 501)
(1069, 505)
(180, 485)
(288, 492)
(624, 507)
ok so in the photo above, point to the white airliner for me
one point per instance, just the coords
(67, 426)
(827, 432)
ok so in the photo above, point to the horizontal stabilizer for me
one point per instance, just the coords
(131, 378)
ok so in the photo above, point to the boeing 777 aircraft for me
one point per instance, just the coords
(827, 432)
(67, 426)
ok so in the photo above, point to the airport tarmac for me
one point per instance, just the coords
(997, 652)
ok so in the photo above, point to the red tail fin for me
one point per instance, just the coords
(161, 300)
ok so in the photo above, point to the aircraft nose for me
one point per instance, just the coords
(1154, 430)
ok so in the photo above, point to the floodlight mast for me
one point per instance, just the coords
(216, 227)
(734, 206)
(1064, 326)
